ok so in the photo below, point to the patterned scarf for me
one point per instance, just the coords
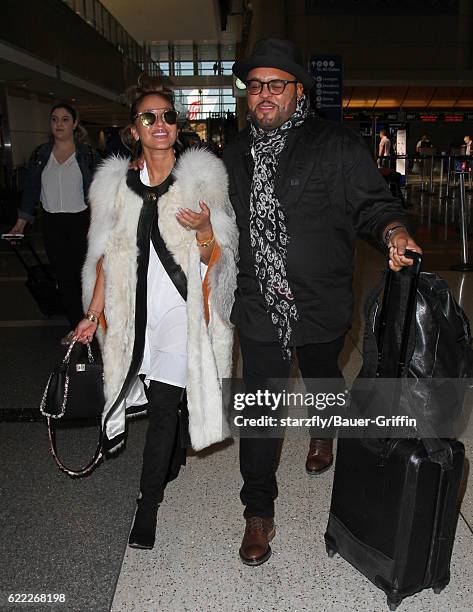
(268, 232)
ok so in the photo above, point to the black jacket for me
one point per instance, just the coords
(331, 192)
(87, 159)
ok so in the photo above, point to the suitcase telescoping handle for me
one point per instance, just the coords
(17, 252)
(413, 272)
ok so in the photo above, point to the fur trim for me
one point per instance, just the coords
(200, 176)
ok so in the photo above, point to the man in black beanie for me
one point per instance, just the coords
(302, 189)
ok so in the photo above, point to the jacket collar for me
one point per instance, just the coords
(133, 181)
(295, 165)
(43, 152)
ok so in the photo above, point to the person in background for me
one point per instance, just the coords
(468, 145)
(466, 164)
(384, 149)
(59, 175)
(424, 143)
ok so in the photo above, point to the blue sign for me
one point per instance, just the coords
(326, 95)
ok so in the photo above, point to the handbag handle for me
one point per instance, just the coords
(67, 358)
(65, 362)
(85, 469)
(98, 454)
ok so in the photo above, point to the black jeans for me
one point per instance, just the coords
(259, 456)
(65, 241)
(161, 439)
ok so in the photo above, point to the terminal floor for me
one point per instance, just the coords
(62, 535)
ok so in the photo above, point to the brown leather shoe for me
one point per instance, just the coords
(255, 548)
(320, 456)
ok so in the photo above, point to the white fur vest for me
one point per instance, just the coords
(115, 208)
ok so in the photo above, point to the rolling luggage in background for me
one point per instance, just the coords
(40, 282)
(394, 505)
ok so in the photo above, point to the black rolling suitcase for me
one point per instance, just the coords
(41, 282)
(394, 509)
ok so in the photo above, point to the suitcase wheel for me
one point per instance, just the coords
(438, 589)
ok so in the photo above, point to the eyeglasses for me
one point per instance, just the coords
(149, 117)
(275, 86)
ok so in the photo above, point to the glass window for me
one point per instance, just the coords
(211, 102)
(113, 31)
(164, 66)
(183, 52)
(89, 12)
(121, 36)
(227, 67)
(99, 19)
(78, 6)
(207, 53)
(227, 53)
(106, 25)
(160, 51)
(184, 68)
(208, 68)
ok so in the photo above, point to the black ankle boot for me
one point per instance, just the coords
(143, 532)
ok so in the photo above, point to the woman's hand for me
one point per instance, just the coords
(18, 228)
(200, 222)
(85, 330)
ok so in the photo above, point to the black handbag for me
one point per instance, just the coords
(74, 391)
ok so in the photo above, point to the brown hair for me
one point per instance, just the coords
(80, 133)
(146, 86)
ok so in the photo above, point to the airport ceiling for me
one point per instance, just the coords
(175, 20)
(94, 108)
(410, 97)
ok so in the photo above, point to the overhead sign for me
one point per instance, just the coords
(428, 117)
(453, 117)
(327, 99)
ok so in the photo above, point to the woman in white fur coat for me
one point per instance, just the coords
(158, 288)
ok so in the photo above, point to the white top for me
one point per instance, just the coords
(165, 352)
(62, 188)
(384, 146)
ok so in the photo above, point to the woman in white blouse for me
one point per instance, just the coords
(158, 285)
(59, 176)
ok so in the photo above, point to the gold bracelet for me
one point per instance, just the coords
(205, 243)
(92, 318)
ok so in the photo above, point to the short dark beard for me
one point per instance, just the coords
(269, 128)
(266, 128)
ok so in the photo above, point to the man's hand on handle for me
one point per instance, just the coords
(398, 240)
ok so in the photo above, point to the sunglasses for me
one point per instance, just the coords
(149, 117)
